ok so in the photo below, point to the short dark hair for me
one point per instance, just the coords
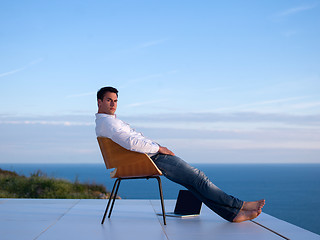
(102, 92)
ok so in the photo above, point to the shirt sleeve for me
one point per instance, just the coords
(125, 136)
(134, 142)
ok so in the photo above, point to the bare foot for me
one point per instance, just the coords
(246, 215)
(253, 206)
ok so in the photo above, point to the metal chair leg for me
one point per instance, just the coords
(161, 198)
(114, 198)
(109, 201)
(114, 193)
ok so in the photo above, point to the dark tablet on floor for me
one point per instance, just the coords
(187, 205)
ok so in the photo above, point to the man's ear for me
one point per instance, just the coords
(99, 102)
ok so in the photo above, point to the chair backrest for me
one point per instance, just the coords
(127, 163)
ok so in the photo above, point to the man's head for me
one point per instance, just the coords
(107, 98)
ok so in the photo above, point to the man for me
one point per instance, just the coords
(172, 167)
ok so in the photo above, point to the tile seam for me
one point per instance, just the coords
(57, 220)
(269, 229)
(162, 226)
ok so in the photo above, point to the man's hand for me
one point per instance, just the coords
(164, 150)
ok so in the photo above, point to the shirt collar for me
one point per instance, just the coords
(102, 115)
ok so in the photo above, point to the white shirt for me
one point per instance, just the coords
(120, 132)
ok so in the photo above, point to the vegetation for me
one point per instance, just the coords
(39, 185)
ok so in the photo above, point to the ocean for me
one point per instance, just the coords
(292, 191)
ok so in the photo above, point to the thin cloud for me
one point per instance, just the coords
(138, 104)
(81, 95)
(44, 122)
(216, 89)
(138, 46)
(151, 43)
(235, 117)
(282, 100)
(22, 68)
(12, 72)
(296, 10)
(139, 80)
(306, 105)
(237, 144)
(173, 71)
(290, 33)
(267, 102)
(135, 81)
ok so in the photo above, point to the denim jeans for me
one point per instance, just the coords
(198, 183)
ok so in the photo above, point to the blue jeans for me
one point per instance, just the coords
(198, 183)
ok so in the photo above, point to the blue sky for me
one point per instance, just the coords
(215, 81)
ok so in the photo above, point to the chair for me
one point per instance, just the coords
(128, 165)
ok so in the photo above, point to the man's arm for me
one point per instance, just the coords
(127, 137)
(164, 150)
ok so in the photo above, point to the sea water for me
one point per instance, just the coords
(292, 191)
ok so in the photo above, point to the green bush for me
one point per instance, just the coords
(39, 185)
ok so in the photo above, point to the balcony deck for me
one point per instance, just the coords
(45, 219)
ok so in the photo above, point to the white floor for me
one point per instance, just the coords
(46, 219)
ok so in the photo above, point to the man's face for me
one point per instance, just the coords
(109, 103)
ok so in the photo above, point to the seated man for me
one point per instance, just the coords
(172, 167)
